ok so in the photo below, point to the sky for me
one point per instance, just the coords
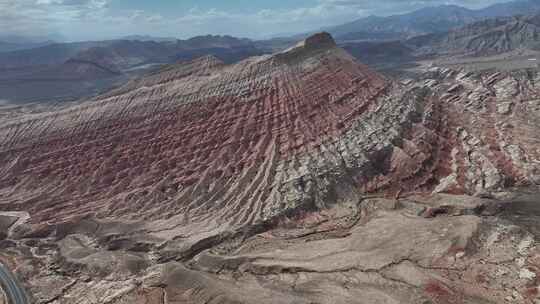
(77, 20)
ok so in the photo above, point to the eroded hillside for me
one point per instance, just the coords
(300, 177)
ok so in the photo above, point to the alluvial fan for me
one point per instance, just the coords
(300, 177)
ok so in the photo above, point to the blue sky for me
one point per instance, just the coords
(102, 19)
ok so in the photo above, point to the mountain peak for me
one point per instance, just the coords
(319, 40)
(316, 42)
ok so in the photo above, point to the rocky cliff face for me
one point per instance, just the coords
(265, 181)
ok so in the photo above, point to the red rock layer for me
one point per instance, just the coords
(211, 147)
(193, 138)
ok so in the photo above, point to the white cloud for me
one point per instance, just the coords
(91, 4)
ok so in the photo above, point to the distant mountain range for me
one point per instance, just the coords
(427, 20)
(50, 54)
(127, 53)
(73, 70)
(487, 37)
(29, 39)
(9, 43)
(495, 36)
(9, 46)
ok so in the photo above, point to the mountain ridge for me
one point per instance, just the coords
(432, 19)
(483, 38)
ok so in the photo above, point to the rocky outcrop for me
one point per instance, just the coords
(307, 48)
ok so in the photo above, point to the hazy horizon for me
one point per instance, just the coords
(77, 20)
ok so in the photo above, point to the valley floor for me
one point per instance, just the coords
(416, 249)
